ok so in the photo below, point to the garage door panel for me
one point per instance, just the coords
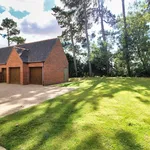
(14, 74)
(36, 75)
(3, 74)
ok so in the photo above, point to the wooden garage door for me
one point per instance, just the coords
(4, 75)
(14, 75)
(36, 75)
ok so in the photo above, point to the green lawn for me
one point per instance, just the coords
(103, 114)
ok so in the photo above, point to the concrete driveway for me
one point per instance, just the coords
(16, 97)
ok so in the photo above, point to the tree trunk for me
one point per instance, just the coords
(8, 39)
(87, 39)
(100, 8)
(101, 14)
(126, 40)
(74, 52)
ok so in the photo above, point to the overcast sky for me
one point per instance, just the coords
(35, 19)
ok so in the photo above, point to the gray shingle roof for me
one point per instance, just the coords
(4, 54)
(33, 52)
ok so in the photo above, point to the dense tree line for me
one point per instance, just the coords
(124, 50)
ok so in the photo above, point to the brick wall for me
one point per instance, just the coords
(14, 60)
(35, 64)
(25, 74)
(54, 65)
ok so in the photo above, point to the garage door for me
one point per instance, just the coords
(36, 75)
(14, 75)
(4, 75)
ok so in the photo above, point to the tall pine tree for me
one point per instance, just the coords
(65, 19)
(83, 14)
(11, 28)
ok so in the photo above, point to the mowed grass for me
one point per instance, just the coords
(102, 114)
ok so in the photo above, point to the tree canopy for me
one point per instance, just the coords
(11, 31)
(123, 50)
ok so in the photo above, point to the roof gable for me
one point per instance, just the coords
(14, 58)
(30, 52)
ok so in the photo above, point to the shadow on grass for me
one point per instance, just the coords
(111, 86)
(145, 101)
(92, 142)
(127, 141)
(57, 116)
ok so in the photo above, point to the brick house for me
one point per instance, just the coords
(42, 62)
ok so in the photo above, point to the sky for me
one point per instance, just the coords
(35, 20)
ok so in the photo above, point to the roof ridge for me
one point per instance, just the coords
(27, 43)
(7, 47)
(36, 41)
